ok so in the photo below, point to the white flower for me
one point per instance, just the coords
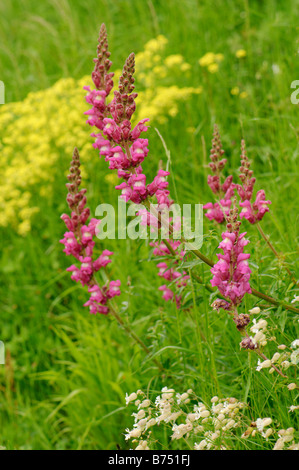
(295, 299)
(158, 400)
(134, 433)
(292, 386)
(255, 310)
(275, 69)
(275, 357)
(139, 415)
(295, 357)
(167, 393)
(214, 399)
(144, 404)
(201, 445)
(182, 398)
(130, 398)
(263, 365)
(262, 423)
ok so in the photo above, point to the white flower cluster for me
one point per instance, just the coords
(285, 436)
(259, 329)
(203, 427)
(286, 440)
(283, 358)
(223, 416)
(208, 425)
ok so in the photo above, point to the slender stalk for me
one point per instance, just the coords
(273, 301)
(113, 312)
(280, 257)
(259, 353)
(134, 336)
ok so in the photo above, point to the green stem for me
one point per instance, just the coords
(134, 336)
(259, 353)
(280, 257)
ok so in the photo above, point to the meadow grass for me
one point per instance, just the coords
(67, 372)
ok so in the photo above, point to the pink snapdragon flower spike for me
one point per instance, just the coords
(122, 147)
(79, 243)
(245, 190)
(231, 274)
(103, 82)
(251, 211)
(125, 150)
(223, 190)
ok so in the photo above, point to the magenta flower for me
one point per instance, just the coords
(78, 242)
(102, 260)
(256, 211)
(217, 211)
(252, 211)
(113, 289)
(167, 293)
(231, 273)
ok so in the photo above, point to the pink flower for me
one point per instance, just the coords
(102, 144)
(139, 151)
(148, 219)
(102, 260)
(256, 211)
(231, 273)
(138, 183)
(140, 127)
(214, 183)
(96, 295)
(117, 159)
(114, 289)
(161, 249)
(112, 130)
(261, 205)
(228, 187)
(84, 273)
(97, 301)
(134, 189)
(168, 273)
(159, 183)
(163, 198)
(217, 211)
(167, 293)
(96, 114)
(72, 247)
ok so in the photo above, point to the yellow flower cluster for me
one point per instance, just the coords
(211, 61)
(38, 135)
(236, 91)
(35, 134)
(157, 101)
(241, 53)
